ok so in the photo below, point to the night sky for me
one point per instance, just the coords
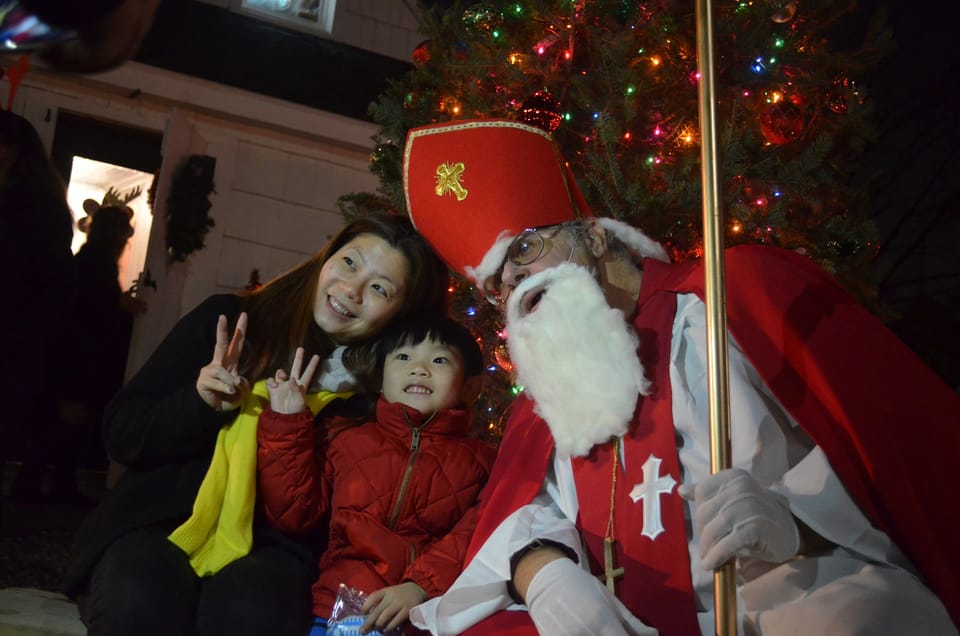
(917, 102)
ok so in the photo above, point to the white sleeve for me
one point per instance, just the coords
(481, 589)
(767, 443)
(819, 499)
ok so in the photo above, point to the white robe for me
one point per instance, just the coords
(864, 580)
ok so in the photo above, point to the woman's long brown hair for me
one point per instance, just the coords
(280, 314)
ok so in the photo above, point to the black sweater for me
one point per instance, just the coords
(164, 433)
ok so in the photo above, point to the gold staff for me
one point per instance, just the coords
(724, 585)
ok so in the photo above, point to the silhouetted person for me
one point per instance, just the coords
(90, 345)
(98, 335)
(39, 282)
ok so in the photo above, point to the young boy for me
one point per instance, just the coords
(398, 491)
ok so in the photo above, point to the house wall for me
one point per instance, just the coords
(275, 205)
(388, 27)
(280, 170)
(280, 165)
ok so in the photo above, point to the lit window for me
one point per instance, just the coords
(312, 15)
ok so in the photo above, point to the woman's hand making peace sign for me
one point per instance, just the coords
(219, 383)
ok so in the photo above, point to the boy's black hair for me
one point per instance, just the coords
(440, 329)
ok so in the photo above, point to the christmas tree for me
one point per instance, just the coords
(615, 82)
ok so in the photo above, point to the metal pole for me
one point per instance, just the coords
(724, 584)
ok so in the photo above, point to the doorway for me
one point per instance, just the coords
(93, 155)
(90, 180)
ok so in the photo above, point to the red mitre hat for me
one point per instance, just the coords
(471, 186)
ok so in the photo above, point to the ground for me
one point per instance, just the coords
(35, 535)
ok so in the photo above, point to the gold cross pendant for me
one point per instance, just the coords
(609, 572)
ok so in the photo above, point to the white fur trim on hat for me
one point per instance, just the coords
(634, 239)
(492, 260)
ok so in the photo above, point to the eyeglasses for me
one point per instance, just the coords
(529, 246)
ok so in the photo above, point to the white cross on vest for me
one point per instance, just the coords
(650, 490)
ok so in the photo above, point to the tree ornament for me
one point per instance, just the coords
(781, 123)
(481, 17)
(785, 13)
(502, 355)
(841, 95)
(836, 102)
(542, 111)
(844, 248)
(413, 100)
(626, 11)
(421, 54)
(385, 154)
(518, 59)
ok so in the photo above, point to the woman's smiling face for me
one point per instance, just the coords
(361, 287)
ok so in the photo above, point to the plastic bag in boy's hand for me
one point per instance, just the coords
(350, 626)
(347, 617)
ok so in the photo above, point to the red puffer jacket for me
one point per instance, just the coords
(400, 493)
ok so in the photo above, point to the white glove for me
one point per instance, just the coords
(565, 600)
(736, 516)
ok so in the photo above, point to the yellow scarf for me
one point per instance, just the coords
(220, 529)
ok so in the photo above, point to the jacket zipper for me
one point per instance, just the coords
(414, 451)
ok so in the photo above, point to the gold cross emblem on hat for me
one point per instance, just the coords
(448, 180)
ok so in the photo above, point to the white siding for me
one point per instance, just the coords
(280, 169)
(387, 27)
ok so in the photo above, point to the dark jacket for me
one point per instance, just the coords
(164, 433)
(400, 495)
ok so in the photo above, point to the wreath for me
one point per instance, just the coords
(188, 206)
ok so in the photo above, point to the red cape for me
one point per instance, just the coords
(889, 426)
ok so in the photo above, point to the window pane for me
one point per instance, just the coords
(305, 12)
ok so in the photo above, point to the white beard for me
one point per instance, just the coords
(576, 357)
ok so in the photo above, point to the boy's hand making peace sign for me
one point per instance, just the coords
(288, 394)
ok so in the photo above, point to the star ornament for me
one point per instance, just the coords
(448, 180)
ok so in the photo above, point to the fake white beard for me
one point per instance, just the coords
(576, 357)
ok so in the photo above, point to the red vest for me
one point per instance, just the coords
(651, 536)
(650, 533)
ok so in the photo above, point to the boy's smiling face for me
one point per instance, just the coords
(427, 376)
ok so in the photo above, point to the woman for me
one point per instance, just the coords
(126, 574)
